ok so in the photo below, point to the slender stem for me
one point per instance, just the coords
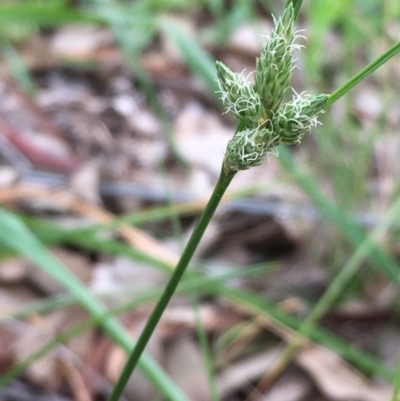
(369, 69)
(219, 190)
(15, 236)
(332, 293)
(205, 350)
(396, 385)
(296, 5)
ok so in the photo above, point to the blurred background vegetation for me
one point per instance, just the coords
(112, 138)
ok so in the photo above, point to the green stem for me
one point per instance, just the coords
(296, 6)
(15, 235)
(369, 69)
(336, 287)
(197, 283)
(396, 385)
(219, 190)
(205, 349)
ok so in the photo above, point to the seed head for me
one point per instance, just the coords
(238, 96)
(248, 148)
(296, 118)
(267, 123)
(274, 67)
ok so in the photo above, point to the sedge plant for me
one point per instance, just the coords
(265, 121)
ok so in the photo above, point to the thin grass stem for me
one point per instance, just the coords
(296, 5)
(220, 188)
(205, 350)
(15, 235)
(368, 70)
(194, 284)
(396, 385)
(331, 295)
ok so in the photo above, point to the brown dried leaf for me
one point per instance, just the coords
(13, 270)
(368, 104)
(45, 371)
(85, 182)
(292, 386)
(8, 176)
(247, 40)
(201, 139)
(185, 365)
(13, 297)
(124, 277)
(79, 41)
(336, 379)
(240, 374)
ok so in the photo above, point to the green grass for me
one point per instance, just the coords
(15, 235)
(333, 171)
(194, 284)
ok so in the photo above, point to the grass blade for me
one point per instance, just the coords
(259, 306)
(15, 235)
(45, 16)
(202, 65)
(192, 285)
(349, 229)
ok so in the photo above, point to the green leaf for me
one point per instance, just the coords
(15, 235)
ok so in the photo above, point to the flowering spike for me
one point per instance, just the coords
(266, 123)
(274, 67)
(248, 148)
(238, 96)
(296, 118)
